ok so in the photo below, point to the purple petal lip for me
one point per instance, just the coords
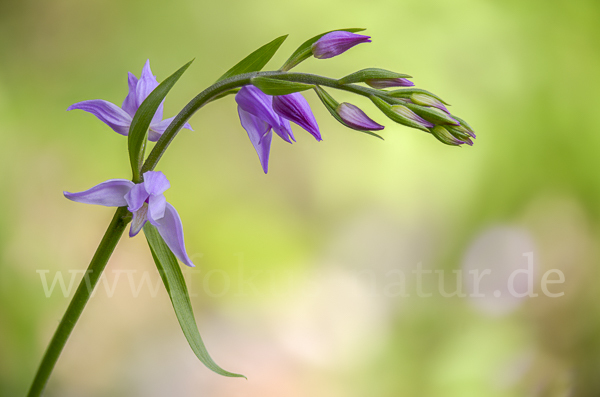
(356, 118)
(109, 194)
(295, 108)
(336, 43)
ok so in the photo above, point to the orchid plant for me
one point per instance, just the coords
(267, 102)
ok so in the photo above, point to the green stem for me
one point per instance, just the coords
(81, 297)
(241, 80)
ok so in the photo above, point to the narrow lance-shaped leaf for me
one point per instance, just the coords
(331, 104)
(279, 87)
(172, 277)
(255, 61)
(305, 50)
(138, 131)
(370, 74)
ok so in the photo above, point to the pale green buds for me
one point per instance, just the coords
(401, 114)
(444, 136)
(427, 100)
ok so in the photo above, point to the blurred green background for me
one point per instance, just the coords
(297, 275)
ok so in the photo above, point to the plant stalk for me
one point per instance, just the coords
(80, 299)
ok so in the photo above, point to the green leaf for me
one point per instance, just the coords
(279, 87)
(305, 50)
(371, 74)
(138, 130)
(255, 61)
(172, 277)
(331, 104)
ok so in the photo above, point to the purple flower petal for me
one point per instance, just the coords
(335, 43)
(109, 113)
(139, 220)
(295, 108)
(136, 197)
(257, 103)
(156, 182)
(156, 208)
(171, 230)
(284, 130)
(146, 84)
(109, 194)
(356, 118)
(387, 83)
(156, 130)
(260, 135)
(129, 104)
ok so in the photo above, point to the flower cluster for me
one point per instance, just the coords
(260, 114)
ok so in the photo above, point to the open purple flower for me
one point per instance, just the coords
(147, 204)
(260, 114)
(336, 43)
(119, 118)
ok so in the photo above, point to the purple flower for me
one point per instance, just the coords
(147, 204)
(355, 118)
(387, 83)
(119, 118)
(335, 43)
(260, 114)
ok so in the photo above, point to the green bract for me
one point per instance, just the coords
(370, 74)
(279, 87)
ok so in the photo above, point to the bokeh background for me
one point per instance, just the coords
(298, 281)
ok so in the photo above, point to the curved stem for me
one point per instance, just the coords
(241, 80)
(81, 297)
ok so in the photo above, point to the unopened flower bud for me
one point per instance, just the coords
(387, 83)
(444, 136)
(426, 100)
(402, 115)
(355, 118)
(336, 43)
